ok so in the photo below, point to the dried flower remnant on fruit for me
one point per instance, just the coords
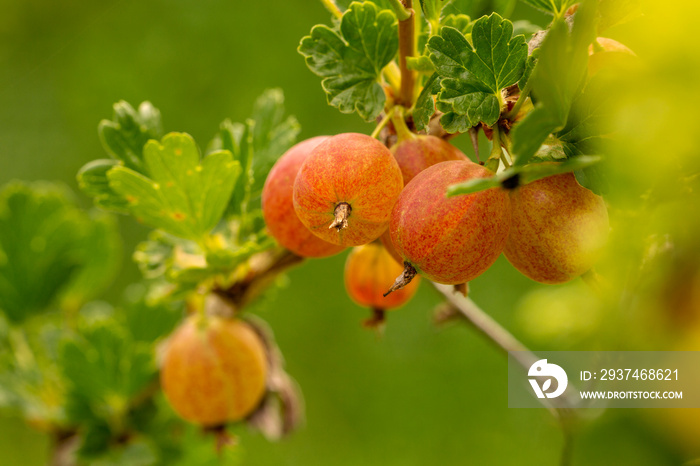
(352, 169)
(342, 212)
(409, 272)
(278, 206)
(369, 271)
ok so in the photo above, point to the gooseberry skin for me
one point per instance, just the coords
(450, 240)
(414, 153)
(610, 54)
(214, 370)
(389, 246)
(278, 207)
(558, 231)
(418, 152)
(369, 272)
(352, 169)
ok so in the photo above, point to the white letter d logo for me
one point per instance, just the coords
(542, 369)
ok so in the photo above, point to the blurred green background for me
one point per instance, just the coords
(415, 396)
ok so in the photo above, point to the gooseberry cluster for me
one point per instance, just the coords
(327, 193)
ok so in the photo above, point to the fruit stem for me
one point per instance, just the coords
(222, 438)
(504, 160)
(521, 100)
(332, 8)
(407, 47)
(402, 131)
(377, 319)
(496, 152)
(404, 279)
(263, 273)
(505, 143)
(474, 136)
(462, 288)
(342, 212)
(402, 11)
(381, 125)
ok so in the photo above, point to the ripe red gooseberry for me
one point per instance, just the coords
(346, 188)
(278, 207)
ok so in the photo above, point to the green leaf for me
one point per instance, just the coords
(343, 5)
(536, 171)
(472, 78)
(555, 7)
(93, 181)
(523, 175)
(126, 134)
(421, 64)
(530, 134)
(614, 12)
(104, 369)
(164, 255)
(473, 186)
(431, 9)
(529, 67)
(425, 104)
(156, 255)
(551, 153)
(135, 453)
(102, 256)
(351, 58)
(593, 178)
(183, 196)
(583, 132)
(273, 133)
(479, 8)
(48, 248)
(556, 81)
(462, 23)
(238, 139)
(186, 263)
(95, 440)
(256, 145)
(228, 258)
(30, 384)
(147, 322)
(525, 28)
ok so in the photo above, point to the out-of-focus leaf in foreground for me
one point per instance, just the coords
(50, 249)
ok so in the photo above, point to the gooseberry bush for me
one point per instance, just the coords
(139, 381)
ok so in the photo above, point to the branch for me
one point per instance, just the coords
(561, 407)
(332, 8)
(264, 269)
(406, 49)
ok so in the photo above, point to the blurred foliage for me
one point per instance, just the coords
(51, 253)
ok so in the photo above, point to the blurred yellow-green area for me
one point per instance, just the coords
(417, 395)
